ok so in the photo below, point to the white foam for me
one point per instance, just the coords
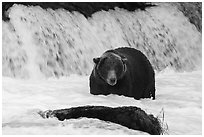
(59, 43)
(178, 94)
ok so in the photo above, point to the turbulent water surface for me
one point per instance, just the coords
(47, 58)
(43, 43)
(178, 95)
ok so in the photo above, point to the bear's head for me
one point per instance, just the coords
(110, 67)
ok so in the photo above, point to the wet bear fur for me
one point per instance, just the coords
(123, 71)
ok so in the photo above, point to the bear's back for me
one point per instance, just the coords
(131, 52)
(137, 59)
(140, 66)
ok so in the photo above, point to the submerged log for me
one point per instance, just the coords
(129, 116)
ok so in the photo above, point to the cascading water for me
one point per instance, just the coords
(41, 43)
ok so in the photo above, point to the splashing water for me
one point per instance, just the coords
(40, 43)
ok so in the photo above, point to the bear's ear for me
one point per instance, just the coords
(96, 60)
(124, 59)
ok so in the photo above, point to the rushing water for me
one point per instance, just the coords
(40, 43)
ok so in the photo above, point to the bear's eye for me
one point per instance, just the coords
(103, 65)
(119, 69)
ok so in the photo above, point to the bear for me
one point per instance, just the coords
(123, 71)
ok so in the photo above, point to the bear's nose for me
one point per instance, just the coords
(112, 80)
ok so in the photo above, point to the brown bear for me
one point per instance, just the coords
(123, 71)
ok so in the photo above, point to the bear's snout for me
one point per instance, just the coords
(111, 79)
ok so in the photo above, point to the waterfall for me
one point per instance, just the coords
(42, 43)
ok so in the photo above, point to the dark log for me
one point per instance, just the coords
(129, 116)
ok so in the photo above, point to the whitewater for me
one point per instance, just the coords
(47, 59)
